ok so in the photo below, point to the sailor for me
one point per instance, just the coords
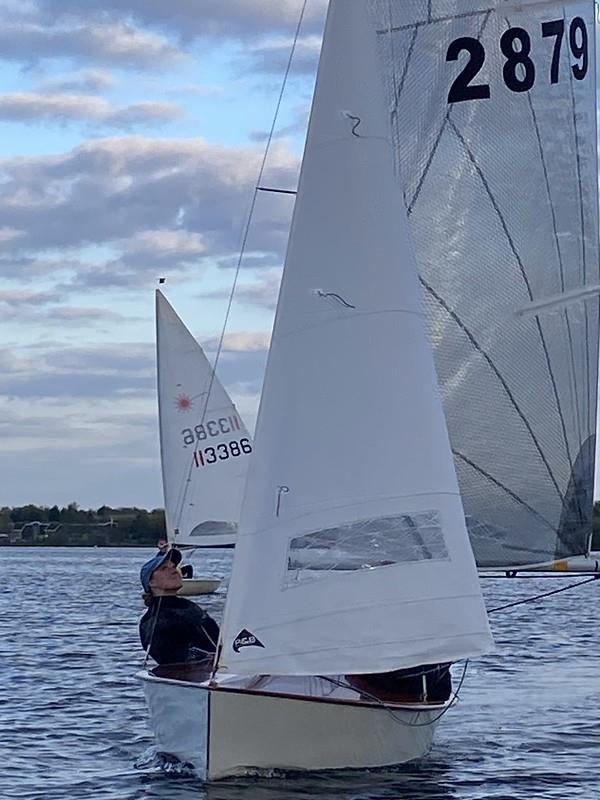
(173, 630)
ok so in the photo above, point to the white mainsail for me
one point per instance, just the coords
(494, 110)
(353, 458)
(204, 443)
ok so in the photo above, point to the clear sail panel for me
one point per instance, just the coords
(366, 544)
(493, 107)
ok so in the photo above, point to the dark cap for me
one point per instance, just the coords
(156, 562)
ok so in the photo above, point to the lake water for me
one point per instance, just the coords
(73, 725)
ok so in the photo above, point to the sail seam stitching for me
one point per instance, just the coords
(500, 377)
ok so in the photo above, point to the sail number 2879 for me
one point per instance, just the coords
(519, 70)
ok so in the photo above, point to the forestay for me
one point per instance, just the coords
(493, 104)
(204, 443)
(352, 554)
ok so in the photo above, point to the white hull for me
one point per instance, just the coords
(195, 586)
(224, 730)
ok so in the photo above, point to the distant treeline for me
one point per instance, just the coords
(105, 526)
(70, 525)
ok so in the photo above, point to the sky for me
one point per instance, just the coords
(133, 133)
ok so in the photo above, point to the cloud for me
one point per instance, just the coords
(17, 298)
(272, 56)
(59, 374)
(28, 268)
(83, 81)
(242, 360)
(145, 254)
(240, 342)
(262, 292)
(11, 363)
(112, 44)
(191, 19)
(297, 126)
(103, 450)
(149, 200)
(59, 371)
(123, 359)
(81, 317)
(36, 107)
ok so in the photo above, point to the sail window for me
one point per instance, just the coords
(366, 545)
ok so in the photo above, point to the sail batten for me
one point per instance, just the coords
(352, 554)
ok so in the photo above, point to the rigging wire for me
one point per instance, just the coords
(543, 595)
(391, 710)
(246, 231)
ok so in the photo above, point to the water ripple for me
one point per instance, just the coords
(73, 724)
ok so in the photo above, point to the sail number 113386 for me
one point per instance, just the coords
(519, 70)
(221, 452)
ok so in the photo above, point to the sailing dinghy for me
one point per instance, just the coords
(204, 445)
(352, 455)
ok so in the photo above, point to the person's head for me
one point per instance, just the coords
(160, 575)
(163, 545)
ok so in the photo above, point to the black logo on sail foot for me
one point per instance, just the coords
(245, 639)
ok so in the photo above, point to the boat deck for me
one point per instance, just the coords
(343, 688)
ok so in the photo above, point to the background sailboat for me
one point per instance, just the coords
(352, 452)
(204, 444)
(494, 108)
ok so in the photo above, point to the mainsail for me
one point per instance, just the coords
(493, 105)
(352, 553)
(204, 443)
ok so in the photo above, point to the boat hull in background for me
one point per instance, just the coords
(573, 565)
(224, 731)
(194, 586)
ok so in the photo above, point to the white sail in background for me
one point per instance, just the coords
(494, 110)
(352, 553)
(204, 443)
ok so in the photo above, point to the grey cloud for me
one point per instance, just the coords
(111, 371)
(17, 298)
(262, 293)
(250, 260)
(86, 80)
(130, 359)
(73, 384)
(243, 371)
(102, 371)
(143, 114)
(28, 268)
(272, 56)
(36, 107)
(116, 473)
(298, 125)
(109, 43)
(190, 18)
(111, 191)
(11, 363)
(74, 316)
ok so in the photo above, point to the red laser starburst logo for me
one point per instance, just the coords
(183, 402)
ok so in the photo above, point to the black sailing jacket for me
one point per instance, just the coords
(177, 630)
